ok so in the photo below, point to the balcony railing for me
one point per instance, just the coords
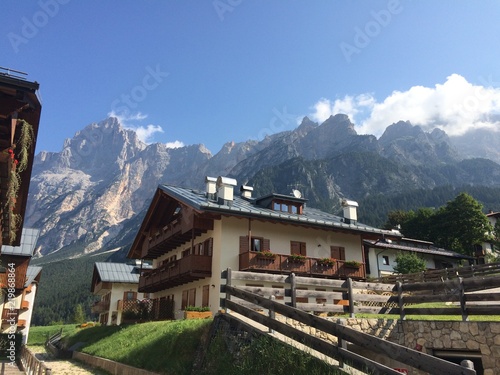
(178, 272)
(100, 307)
(312, 267)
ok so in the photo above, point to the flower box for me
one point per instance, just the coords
(326, 262)
(352, 264)
(296, 258)
(266, 254)
(197, 314)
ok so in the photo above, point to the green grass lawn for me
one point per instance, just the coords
(168, 346)
(38, 335)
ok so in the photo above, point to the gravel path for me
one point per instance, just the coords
(64, 367)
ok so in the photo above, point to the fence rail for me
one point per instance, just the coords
(462, 297)
(32, 365)
(242, 301)
(444, 274)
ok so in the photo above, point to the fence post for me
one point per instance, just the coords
(272, 314)
(461, 291)
(467, 364)
(351, 297)
(402, 315)
(293, 290)
(228, 282)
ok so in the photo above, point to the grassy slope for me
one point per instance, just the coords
(170, 347)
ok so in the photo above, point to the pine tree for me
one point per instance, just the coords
(78, 315)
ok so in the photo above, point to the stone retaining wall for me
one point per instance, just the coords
(112, 367)
(480, 338)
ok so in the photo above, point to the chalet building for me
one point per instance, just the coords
(19, 282)
(192, 236)
(381, 255)
(488, 247)
(20, 111)
(116, 284)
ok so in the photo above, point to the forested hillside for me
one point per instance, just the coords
(373, 210)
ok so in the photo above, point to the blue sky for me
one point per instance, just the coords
(188, 72)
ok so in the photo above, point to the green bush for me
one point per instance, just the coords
(409, 263)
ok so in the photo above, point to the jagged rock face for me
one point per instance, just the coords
(481, 143)
(409, 144)
(91, 195)
(103, 176)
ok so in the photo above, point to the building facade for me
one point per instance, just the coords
(192, 236)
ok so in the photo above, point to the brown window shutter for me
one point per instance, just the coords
(266, 244)
(303, 250)
(205, 296)
(294, 247)
(244, 244)
(337, 252)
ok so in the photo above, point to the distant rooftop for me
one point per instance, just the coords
(406, 245)
(31, 274)
(119, 272)
(29, 237)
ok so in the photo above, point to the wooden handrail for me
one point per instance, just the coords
(394, 351)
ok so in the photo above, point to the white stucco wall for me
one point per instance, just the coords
(226, 236)
(117, 291)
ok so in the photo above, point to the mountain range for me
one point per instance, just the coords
(91, 196)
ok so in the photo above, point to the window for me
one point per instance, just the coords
(255, 244)
(129, 296)
(186, 252)
(337, 252)
(188, 298)
(298, 248)
(290, 207)
(385, 260)
(205, 297)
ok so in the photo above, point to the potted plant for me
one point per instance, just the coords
(352, 264)
(328, 262)
(197, 312)
(296, 258)
(266, 254)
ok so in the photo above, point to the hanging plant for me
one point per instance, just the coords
(24, 143)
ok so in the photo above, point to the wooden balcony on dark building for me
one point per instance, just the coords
(178, 272)
(174, 234)
(311, 267)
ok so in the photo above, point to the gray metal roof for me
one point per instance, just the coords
(247, 207)
(118, 272)
(28, 242)
(426, 250)
(31, 274)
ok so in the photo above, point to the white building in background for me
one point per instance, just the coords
(381, 255)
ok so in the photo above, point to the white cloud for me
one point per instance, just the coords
(145, 133)
(455, 106)
(176, 144)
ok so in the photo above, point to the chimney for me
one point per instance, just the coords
(211, 187)
(225, 190)
(246, 191)
(350, 211)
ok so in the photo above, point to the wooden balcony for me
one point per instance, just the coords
(311, 267)
(178, 272)
(100, 307)
(21, 323)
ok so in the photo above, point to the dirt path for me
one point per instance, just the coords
(64, 367)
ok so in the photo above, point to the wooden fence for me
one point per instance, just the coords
(463, 297)
(444, 274)
(32, 365)
(242, 301)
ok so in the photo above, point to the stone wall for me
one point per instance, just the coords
(480, 339)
